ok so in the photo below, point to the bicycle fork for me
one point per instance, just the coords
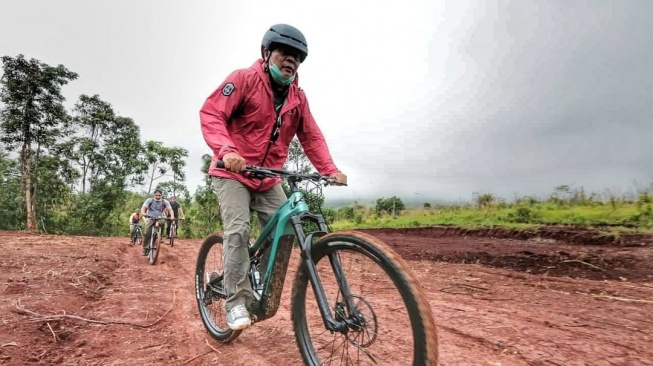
(331, 323)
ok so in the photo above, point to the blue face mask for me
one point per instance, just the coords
(279, 77)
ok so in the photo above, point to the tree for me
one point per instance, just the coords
(32, 115)
(103, 145)
(105, 149)
(56, 177)
(345, 213)
(561, 194)
(92, 121)
(10, 199)
(484, 199)
(122, 153)
(203, 217)
(163, 160)
(299, 162)
(392, 205)
(177, 189)
(297, 159)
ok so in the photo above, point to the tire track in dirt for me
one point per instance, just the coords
(533, 325)
(175, 269)
(180, 336)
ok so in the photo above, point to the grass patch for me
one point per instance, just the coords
(610, 218)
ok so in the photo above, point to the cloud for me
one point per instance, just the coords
(441, 99)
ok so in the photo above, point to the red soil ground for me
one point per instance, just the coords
(555, 296)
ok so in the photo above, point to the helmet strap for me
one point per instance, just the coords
(266, 63)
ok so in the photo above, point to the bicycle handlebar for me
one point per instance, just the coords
(259, 172)
(155, 218)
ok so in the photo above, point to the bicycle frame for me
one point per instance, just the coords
(173, 226)
(137, 230)
(275, 242)
(156, 229)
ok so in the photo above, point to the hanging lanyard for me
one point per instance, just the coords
(276, 131)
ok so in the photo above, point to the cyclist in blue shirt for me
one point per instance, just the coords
(154, 208)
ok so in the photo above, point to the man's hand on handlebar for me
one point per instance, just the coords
(234, 162)
(336, 179)
(340, 179)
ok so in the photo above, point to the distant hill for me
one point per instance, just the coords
(412, 202)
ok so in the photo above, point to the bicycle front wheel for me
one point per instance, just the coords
(389, 321)
(154, 248)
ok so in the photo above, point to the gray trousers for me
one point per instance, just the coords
(236, 201)
(147, 234)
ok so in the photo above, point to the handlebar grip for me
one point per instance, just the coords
(219, 164)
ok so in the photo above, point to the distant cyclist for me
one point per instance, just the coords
(177, 212)
(134, 219)
(154, 207)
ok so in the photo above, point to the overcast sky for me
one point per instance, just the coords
(416, 98)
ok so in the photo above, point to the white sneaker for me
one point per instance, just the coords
(238, 318)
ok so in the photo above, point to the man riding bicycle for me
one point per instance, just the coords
(154, 207)
(134, 220)
(177, 211)
(250, 119)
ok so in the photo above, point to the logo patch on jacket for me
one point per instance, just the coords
(227, 89)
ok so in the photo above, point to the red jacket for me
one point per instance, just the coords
(239, 116)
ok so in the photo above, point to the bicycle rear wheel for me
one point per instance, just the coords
(209, 290)
(154, 248)
(389, 320)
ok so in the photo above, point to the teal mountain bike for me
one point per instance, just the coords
(354, 300)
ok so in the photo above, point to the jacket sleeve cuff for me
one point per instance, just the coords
(225, 150)
(330, 172)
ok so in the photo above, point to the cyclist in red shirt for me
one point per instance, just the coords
(250, 119)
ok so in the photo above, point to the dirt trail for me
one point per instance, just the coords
(520, 302)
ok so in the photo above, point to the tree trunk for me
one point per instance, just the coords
(149, 189)
(35, 182)
(27, 183)
(84, 170)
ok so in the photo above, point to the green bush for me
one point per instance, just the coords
(522, 215)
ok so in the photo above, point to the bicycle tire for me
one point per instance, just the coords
(155, 247)
(220, 334)
(173, 232)
(425, 341)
